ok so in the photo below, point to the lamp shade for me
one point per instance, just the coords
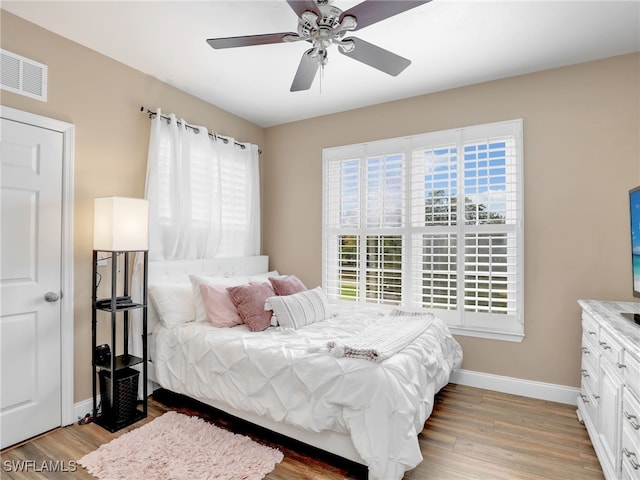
(120, 224)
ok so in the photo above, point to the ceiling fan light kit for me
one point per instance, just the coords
(322, 25)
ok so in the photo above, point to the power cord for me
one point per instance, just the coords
(85, 420)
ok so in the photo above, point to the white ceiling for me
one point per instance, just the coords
(451, 43)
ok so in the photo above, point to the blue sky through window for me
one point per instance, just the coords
(484, 174)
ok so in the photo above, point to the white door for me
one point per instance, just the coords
(30, 280)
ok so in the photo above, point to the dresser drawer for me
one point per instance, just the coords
(589, 372)
(631, 414)
(631, 372)
(630, 447)
(630, 451)
(590, 350)
(590, 327)
(630, 457)
(610, 349)
(588, 404)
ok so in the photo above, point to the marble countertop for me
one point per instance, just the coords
(610, 314)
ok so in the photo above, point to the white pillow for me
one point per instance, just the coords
(173, 303)
(299, 309)
(198, 301)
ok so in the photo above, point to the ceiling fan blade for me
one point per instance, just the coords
(306, 72)
(301, 6)
(372, 11)
(265, 39)
(376, 57)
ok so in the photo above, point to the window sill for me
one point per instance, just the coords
(470, 332)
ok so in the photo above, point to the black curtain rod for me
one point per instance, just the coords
(195, 129)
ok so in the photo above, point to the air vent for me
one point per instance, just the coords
(23, 76)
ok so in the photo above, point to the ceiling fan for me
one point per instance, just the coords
(323, 24)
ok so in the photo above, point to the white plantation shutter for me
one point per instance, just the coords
(343, 193)
(434, 182)
(383, 272)
(431, 221)
(342, 218)
(434, 271)
(384, 216)
(490, 243)
(364, 220)
(342, 256)
(384, 187)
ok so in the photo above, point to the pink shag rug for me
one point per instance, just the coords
(179, 447)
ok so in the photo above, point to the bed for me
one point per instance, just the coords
(287, 379)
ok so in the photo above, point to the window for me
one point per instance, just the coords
(204, 193)
(215, 177)
(431, 221)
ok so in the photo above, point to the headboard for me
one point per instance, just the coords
(178, 271)
(175, 270)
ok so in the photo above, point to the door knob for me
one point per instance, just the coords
(51, 297)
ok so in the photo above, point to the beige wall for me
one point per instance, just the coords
(102, 98)
(581, 156)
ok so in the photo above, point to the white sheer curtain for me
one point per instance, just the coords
(204, 200)
(204, 194)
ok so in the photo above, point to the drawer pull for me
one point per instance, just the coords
(591, 332)
(629, 454)
(585, 350)
(597, 397)
(584, 398)
(604, 345)
(631, 418)
(620, 365)
(584, 373)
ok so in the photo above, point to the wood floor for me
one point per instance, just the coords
(473, 434)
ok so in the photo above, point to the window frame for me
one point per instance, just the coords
(507, 326)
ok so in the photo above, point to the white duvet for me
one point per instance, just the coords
(288, 376)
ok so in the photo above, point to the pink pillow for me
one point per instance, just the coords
(220, 309)
(287, 285)
(249, 300)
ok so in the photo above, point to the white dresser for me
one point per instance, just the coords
(609, 402)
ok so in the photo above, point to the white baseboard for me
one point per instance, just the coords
(517, 386)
